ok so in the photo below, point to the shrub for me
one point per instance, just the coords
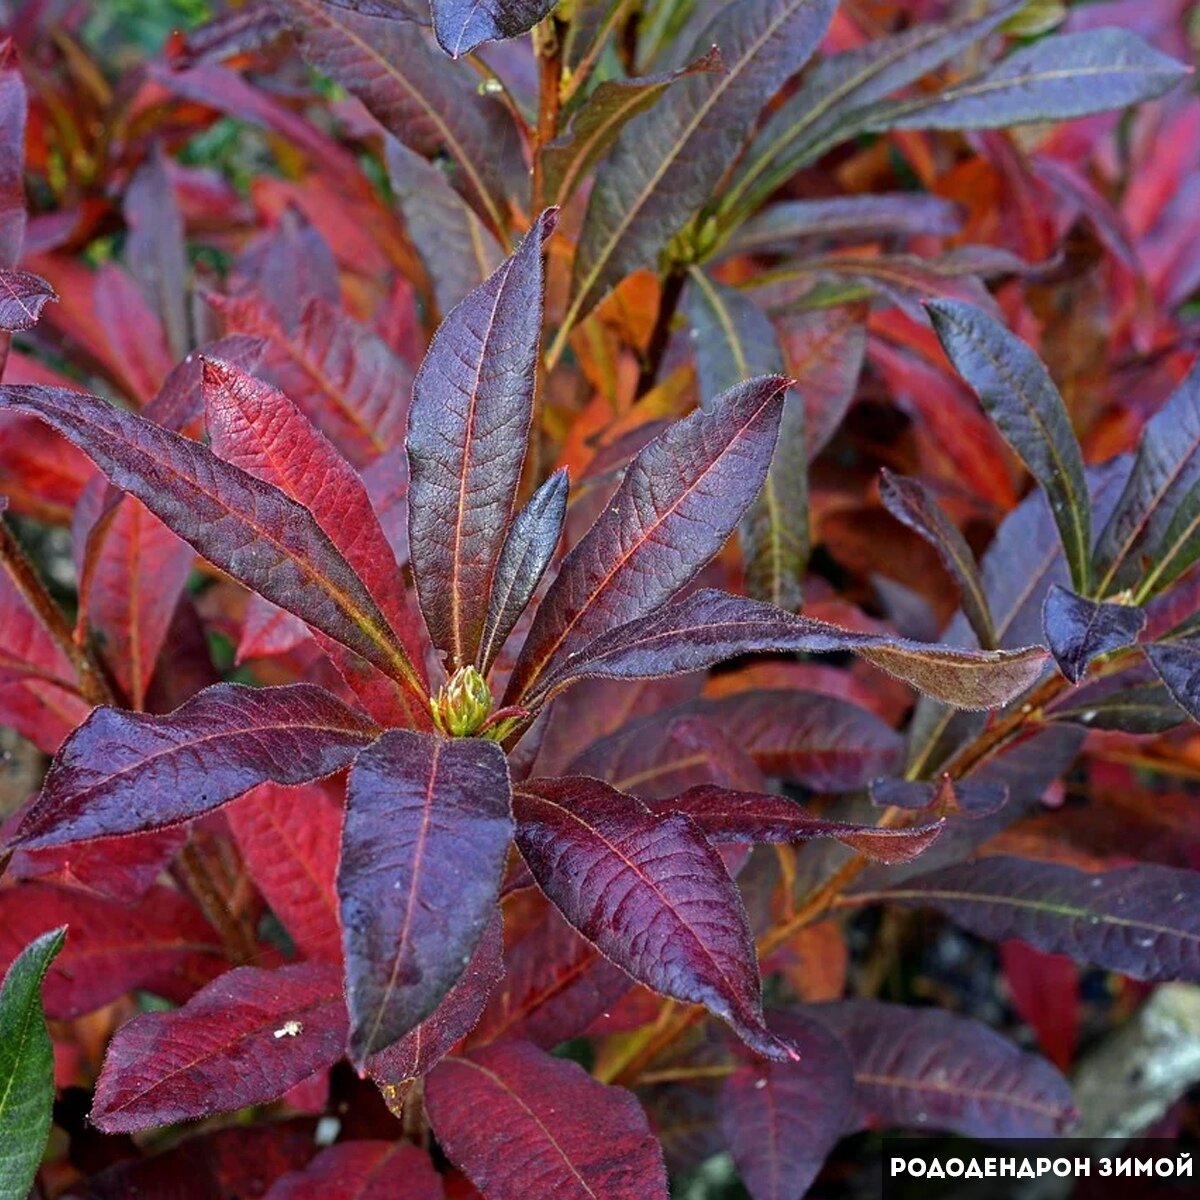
(440, 440)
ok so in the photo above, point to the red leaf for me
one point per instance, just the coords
(1045, 992)
(134, 571)
(160, 943)
(363, 1171)
(422, 1048)
(467, 433)
(22, 298)
(249, 529)
(127, 772)
(780, 1120)
(258, 429)
(244, 1039)
(28, 649)
(650, 893)
(678, 502)
(555, 985)
(928, 1069)
(289, 838)
(427, 828)
(547, 1122)
(731, 816)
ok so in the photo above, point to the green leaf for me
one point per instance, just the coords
(26, 1066)
(1018, 394)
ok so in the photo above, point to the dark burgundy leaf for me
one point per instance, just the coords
(246, 527)
(532, 539)
(363, 1171)
(467, 434)
(1142, 921)
(461, 25)
(678, 502)
(921, 1068)
(1132, 701)
(549, 1125)
(290, 840)
(131, 772)
(555, 985)
(391, 67)
(910, 502)
(161, 943)
(1078, 630)
(422, 1048)
(710, 626)
(22, 297)
(780, 1120)
(724, 815)
(1018, 394)
(14, 105)
(650, 892)
(244, 1039)
(1178, 666)
(427, 827)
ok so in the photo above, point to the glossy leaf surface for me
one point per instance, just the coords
(560, 1130)
(1017, 392)
(427, 827)
(678, 502)
(468, 428)
(244, 1039)
(461, 25)
(26, 1066)
(650, 892)
(129, 772)
(1078, 630)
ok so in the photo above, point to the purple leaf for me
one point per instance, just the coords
(427, 827)
(723, 815)
(1052, 79)
(422, 1048)
(528, 548)
(549, 1126)
(921, 1068)
(597, 122)
(650, 892)
(468, 428)
(1018, 394)
(22, 298)
(974, 797)
(461, 25)
(1178, 666)
(131, 772)
(14, 106)
(387, 62)
(1143, 921)
(1078, 630)
(780, 1120)
(244, 1039)
(246, 527)
(910, 503)
(710, 626)
(677, 504)
(362, 1170)
(1165, 470)
(667, 161)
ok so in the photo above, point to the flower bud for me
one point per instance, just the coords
(463, 705)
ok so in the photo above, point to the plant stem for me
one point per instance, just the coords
(194, 872)
(93, 686)
(580, 75)
(660, 336)
(548, 38)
